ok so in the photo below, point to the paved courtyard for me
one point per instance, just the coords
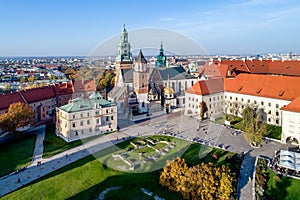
(175, 124)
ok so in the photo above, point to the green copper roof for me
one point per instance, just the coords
(80, 104)
(96, 95)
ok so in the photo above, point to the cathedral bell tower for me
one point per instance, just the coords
(140, 82)
(124, 56)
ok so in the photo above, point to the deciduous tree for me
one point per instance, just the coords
(18, 115)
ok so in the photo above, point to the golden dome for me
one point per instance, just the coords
(168, 90)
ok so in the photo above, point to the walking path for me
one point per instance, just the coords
(39, 146)
(175, 123)
(244, 190)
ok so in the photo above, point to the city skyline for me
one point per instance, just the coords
(75, 28)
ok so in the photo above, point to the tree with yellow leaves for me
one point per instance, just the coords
(203, 181)
(18, 115)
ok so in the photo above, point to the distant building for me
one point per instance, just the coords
(86, 117)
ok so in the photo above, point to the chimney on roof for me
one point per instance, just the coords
(260, 58)
(219, 59)
(282, 59)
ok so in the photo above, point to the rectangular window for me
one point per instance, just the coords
(73, 116)
(112, 117)
(255, 102)
(88, 114)
(88, 121)
(107, 119)
(277, 105)
(248, 100)
(97, 121)
(74, 125)
(81, 123)
(262, 103)
(269, 104)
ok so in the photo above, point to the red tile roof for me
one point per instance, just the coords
(294, 106)
(277, 87)
(235, 66)
(64, 88)
(280, 67)
(258, 66)
(214, 70)
(288, 67)
(84, 86)
(205, 87)
(9, 98)
(39, 94)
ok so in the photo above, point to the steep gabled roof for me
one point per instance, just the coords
(205, 87)
(127, 75)
(141, 58)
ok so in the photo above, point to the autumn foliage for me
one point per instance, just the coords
(18, 115)
(203, 181)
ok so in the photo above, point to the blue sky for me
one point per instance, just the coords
(73, 27)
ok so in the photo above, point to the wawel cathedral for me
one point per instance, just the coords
(144, 89)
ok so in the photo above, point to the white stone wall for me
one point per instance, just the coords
(214, 102)
(270, 108)
(83, 124)
(143, 98)
(290, 126)
(181, 85)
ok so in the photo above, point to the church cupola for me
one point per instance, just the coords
(161, 60)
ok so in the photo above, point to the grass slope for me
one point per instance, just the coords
(16, 154)
(87, 178)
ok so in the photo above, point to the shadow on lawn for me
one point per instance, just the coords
(131, 184)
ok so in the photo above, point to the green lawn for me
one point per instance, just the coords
(16, 154)
(283, 188)
(274, 132)
(88, 177)
(54, 145)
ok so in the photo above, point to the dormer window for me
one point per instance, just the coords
(281, 93)
(258, 90)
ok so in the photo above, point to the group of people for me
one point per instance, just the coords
(274, 165)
